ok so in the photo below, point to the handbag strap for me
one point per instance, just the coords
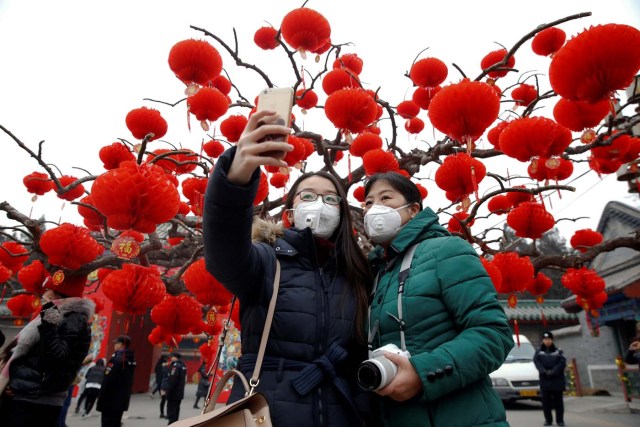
(255, 378)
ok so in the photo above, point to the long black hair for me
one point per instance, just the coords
(351, 259)
(400, 183)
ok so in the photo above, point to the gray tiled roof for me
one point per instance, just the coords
(532, 311)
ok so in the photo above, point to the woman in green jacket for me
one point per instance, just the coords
(445, 319)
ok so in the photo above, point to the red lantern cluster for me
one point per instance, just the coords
(596, 62)
(350, 61)
(608, 158)
(74, 192)
(70, 246)
(13, 255)
(205, 287)
(135, 196)
(555, 168)
(464, 110)
(144, 121)
(580, 115)
(23, 305)
(134, 289)
(583, 282)
(455, 223)
(584, 239)
(530, 220)
(178, 314)
(516, 273)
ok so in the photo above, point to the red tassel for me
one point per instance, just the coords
(516, 329)
(544, 320)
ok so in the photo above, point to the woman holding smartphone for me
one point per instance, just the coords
(434, 302)
(317, 339)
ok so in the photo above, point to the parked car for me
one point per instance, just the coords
(517, 378)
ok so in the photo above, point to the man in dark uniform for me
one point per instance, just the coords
(175, 387)
(116, 386)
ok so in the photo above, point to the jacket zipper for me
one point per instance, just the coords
(323, 338)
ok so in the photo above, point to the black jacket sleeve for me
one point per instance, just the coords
(229, 253)
(632, 357)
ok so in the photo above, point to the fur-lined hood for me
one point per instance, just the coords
(30, 336)
(266, 231)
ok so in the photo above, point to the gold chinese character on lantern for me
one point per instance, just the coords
(125, 247)
(58, 277)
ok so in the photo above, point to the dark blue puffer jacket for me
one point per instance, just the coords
(308, 374)
(550, 362)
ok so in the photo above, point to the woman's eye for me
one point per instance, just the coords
(368, 203)
(331, 199)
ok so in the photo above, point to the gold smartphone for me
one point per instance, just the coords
(280, 100)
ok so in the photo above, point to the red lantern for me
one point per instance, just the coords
(222, 84)
(37, 183)
(464, 110)
(530, 220)
(194, 188)
(414, 126)
(459, 175)
(524, 94)
(144, 121)
(13, 255)
(306, 99)
(73, 193)
(516, 271)
(493, 136)
(499, 204)
(134, 289)
(339, 78)
(299, 152)
(494, 273)
(70, 246)
(208, 103)
(305, 29)
(5, 274)
(204, 286)
(528, 137)
(548, 41)
(583, 282)
(177, 314)
(279, 180)
(408, 109)
(428, 72)
(539, 286)
(379, 161)
(23, 305)
(579, 115)
(350, 110)
(195, 61)
(423, 191)
(32, 276)
(358, 194)
(423, 96)
(455, 223)
(596, 62)
(584, 239)
(213, 148)
(159, 336)
(135, 196)
(350, 61)
(266, 38)
(99, 302)
(232, 127)
(517, 197)
(112, 155)
(493, 58)
(365, 142)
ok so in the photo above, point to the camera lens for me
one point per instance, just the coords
(369, 376)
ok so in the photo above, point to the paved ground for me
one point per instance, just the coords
(592, 411)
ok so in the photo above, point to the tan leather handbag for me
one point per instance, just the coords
(250, 411)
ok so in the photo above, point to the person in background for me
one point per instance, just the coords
(203, 384)
(115, 392)
(633, 354)
(163, 387)
(93, 383)
(42, 362)
(162, 360)
(317, 337)
(441, 313)
(550, 362)
(176, 380)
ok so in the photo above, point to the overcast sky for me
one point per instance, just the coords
(72, 70)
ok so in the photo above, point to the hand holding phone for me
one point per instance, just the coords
(279, 100)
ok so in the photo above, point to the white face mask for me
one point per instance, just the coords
(383, 223)
(321, 218)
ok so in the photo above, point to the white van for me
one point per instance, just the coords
(517, 378)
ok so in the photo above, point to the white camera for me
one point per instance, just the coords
(378, 371)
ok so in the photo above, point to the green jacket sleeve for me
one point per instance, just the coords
(484, 339)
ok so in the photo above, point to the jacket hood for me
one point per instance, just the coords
(266, 231)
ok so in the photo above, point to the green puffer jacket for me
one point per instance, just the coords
(456, 331)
